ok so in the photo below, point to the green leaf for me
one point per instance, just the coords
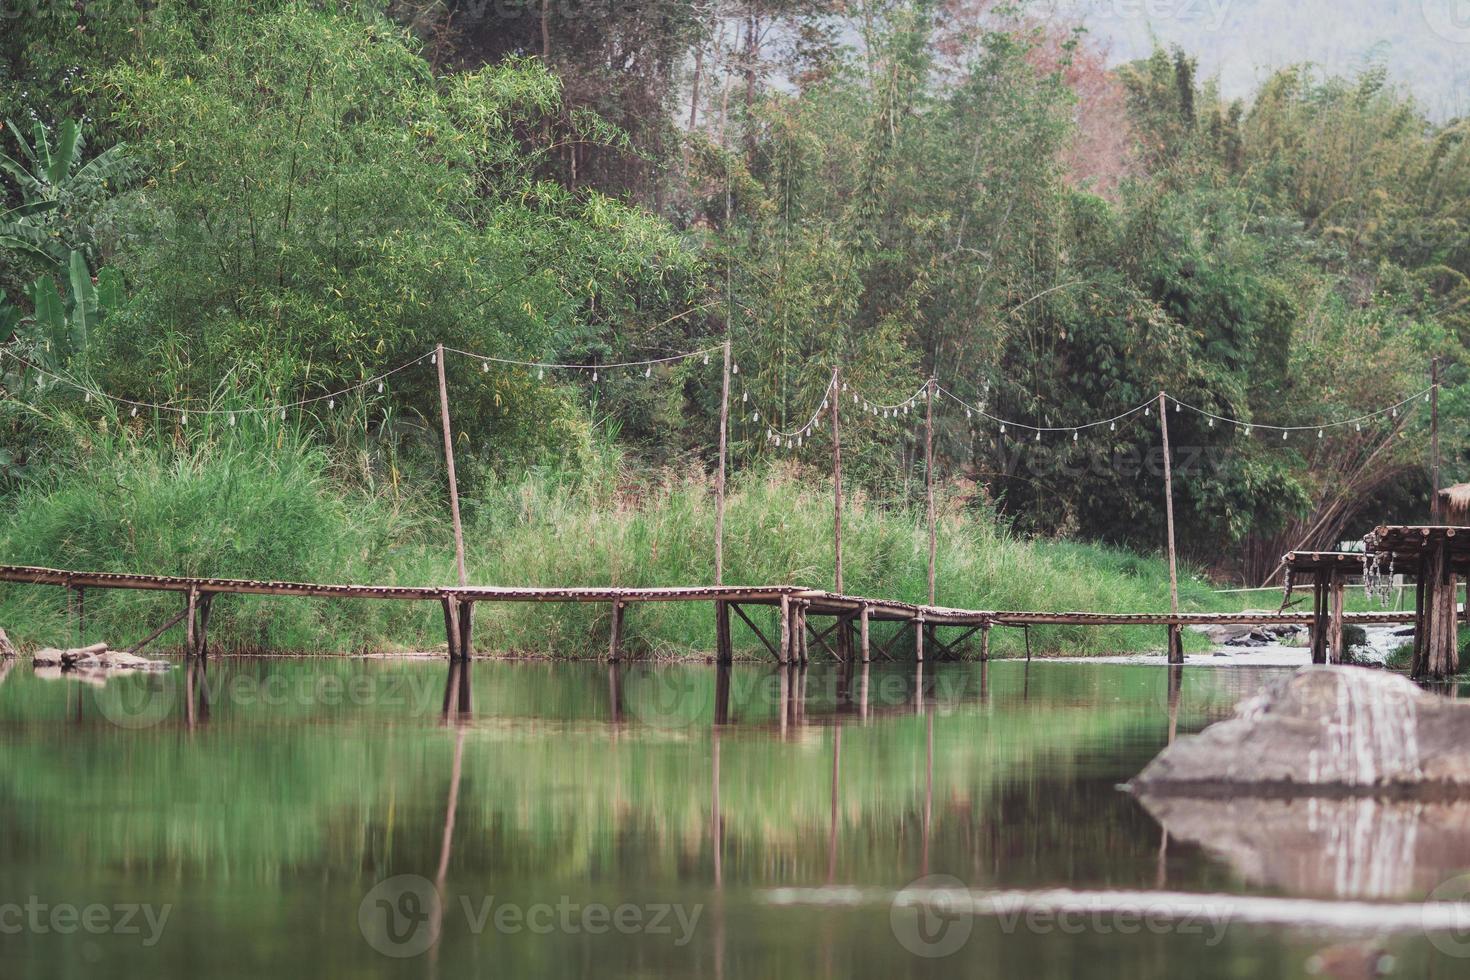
(84, 302)
(66, 152)
(50, 313)
(41, 150)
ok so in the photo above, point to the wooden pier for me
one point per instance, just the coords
(807, 620)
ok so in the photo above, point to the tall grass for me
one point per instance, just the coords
(256, 502)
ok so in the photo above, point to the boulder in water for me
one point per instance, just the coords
(1324, 731)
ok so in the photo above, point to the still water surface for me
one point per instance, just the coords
(302, 818)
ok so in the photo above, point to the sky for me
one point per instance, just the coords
(1425, 44)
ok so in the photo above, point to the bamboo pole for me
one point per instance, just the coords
(929, 479)
(1434, 508)
(1176, 640)
(837, 475)
(449, 464)
(720, 474)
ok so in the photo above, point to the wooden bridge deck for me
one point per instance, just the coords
(851, 615)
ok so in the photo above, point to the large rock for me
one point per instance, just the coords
(1324, 731)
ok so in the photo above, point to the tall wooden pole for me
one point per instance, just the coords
(1434, 509)
(1176, 645)
(836, 397)
(724, 461)
(449, 463)
(929, 479)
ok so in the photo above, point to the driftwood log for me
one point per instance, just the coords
(96, 656)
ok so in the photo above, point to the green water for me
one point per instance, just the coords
(594, 821)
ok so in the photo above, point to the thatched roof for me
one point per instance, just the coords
(1455, 503)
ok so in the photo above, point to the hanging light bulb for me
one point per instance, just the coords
(1319, 433)
(648, 373)
(1148, 410)
(185, 418)
(1002, 430)
(540, 374)
(1038, 435)
(706, 360)
(232, 420)
(1074, 435)
(1395, 412)
(1212, 423)
(1176, 408)
(134, 412)
(755, 416)
(283, 415)
(1284, 435)
(1112, 426)
(1248, 430)
(380, 387)
(433, 358)
(735, 369)
(331, 403)
(1358, 427)
(594, 375)
(88, 399)
(484, 367)
(968, 415)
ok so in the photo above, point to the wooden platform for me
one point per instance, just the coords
(847, 635)
(1438, 556)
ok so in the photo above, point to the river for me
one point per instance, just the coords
(327, 817)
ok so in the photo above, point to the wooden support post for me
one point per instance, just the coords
(1440, 625)
(449, 464)
(803, 650)
(837, 476)
(1176, 639)
(919, 630)
(1434, 509)
(191, 632)
(137, 647)
(929, 481)
(984, 643)
(450, 605)
(863, 627)
(467, 632)
(615, 642)
(1319, 619)
(201, 632)
(724, 461)
(1336, 653)
(784, 656)
(724, 645)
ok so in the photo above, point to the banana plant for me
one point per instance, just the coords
(51, 177)
(64, 318)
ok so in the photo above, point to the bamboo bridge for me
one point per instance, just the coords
(807, 619)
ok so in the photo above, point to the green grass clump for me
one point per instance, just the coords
(266, 503)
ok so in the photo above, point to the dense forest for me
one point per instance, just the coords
(216, 207)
